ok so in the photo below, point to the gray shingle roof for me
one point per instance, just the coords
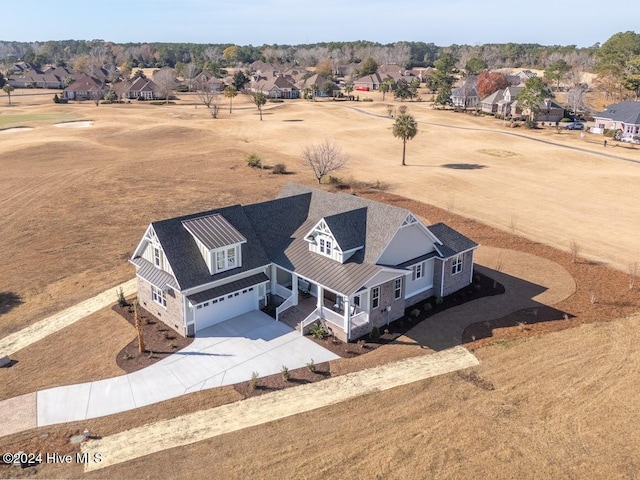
(213, 231)
(626, 112)
(227, 288)
(184, 257)
(153, 275)
(453, 242)
(348, 228)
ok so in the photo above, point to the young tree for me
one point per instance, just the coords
(138, 325)
(8, 89)
(403, 90)
(532, 96)
(230, 92)
(165, 78)
(324, 158)
(207, 95)
(348, 88)
(259, 99)
(405, 127)
(368, 67)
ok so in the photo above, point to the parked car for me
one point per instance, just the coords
(575, 126)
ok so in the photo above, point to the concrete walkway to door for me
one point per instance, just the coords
(223, 354)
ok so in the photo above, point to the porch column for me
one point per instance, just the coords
(347, 317)
(320, 300)
(273, 278)
(294, 288)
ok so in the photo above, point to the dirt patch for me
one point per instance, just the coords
(498, 153)
(160, 341)
(272, 383)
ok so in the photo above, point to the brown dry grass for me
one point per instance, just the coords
(75, 203)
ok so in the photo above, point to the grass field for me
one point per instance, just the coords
(75, 202)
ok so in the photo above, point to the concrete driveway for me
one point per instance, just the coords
(224, 354)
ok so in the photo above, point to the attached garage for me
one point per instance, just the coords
(219, 304)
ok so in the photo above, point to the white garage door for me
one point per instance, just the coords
(223, 308)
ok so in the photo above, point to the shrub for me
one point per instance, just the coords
(311, 366)
(56, 99)
(367, 99)
(279, 169)
(565, 120)
(286, 375)
(531, 123)
(152, 355)
(318, 331)
(427, 306)
(439, 300)
(254, 161)
(415, 312)
(253, 382)
(122, 301)
(374, 336)
(127, 355)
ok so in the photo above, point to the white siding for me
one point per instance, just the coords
(409, 242)
(420, 284)
(147, 254)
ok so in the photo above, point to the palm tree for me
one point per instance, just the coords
(230, 91)
(8, 89)
(348, 88)
(405, 127)
(385, 87)
(259, 99)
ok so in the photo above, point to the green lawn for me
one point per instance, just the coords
(8, 120)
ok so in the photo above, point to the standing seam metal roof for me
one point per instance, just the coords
(213, 231)
(156, 277)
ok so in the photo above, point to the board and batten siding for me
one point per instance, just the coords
(408, 242)
(147, 254)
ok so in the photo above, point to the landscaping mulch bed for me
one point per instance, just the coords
(275, 382)
(160, 341)
(482, 286)
(602, 293)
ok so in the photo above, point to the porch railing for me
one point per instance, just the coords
(284, 305)
(333, 317)
(308, 321)
(282, 291)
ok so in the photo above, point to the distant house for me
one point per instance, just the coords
(141, 88)
(623, 116)
(466, 95)
(350, 262)
(85, 88)
(548, 111)
(315, 82)
(499, 102)
(51, 77)
(275, 87)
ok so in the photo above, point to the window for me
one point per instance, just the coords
(157, 257)
(226, 259)
(356, 300)
(206, 304)
(220, 260)
(322, 245)
(456, 264)
(158, 296)
(375, 297)
(328, 247)
(418, 271)
(398, 289)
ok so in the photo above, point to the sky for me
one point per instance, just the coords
(257, 22)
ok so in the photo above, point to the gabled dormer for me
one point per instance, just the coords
(219, 243)
(339, 236)
(412, 239)
(151, 250)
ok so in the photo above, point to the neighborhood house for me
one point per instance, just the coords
(351, 262)
(623, 116)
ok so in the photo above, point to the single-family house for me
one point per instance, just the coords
(351, 262)
(141, 87)
(499, 102)
(623, 116)
(465, 95)
(85, 88)
(275, 87)
(368, 82)
(548, 111)
(317, 83)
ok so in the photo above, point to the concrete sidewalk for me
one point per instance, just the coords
(224, 354)
(205, 424)
(33, 333)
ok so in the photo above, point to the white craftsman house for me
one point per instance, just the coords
(348, 261)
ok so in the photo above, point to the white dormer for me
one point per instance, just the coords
(321, 240)
(151, 250)
(218, 241)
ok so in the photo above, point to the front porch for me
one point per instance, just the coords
(302, 302)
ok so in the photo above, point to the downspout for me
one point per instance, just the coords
(444, 262)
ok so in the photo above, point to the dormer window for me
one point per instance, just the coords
(226, 259)
(157, 257)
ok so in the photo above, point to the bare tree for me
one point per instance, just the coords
(209, 97)
(575, 98)
(165, 78)
(324, 158)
